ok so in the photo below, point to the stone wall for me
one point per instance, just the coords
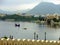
(27, 42)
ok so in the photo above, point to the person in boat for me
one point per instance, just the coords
(17, 25)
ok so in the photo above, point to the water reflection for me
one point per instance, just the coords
(54, 26)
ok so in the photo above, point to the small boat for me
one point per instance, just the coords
(17, 25)
(25, 28)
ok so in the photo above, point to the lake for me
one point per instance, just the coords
(8, 28)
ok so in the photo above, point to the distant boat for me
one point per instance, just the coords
(17, 25)
(25, 28)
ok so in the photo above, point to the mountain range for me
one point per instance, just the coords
(41, 9)
(45, 8)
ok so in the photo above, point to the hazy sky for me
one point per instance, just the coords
(13, 5)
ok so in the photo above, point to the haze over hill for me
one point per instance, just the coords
(13, 12)
(45, 8)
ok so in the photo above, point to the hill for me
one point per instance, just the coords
(45, 8)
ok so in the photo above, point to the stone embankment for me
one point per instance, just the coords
(27, 42)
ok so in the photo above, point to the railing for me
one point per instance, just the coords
(27, 42)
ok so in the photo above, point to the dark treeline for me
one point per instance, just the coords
(19, 18)
(26, 18)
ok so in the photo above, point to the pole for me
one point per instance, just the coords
(34, 34)
(45, 35)
(37, 36)
(59, 38)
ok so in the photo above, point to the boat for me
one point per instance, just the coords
(25, 28)
(17, 25)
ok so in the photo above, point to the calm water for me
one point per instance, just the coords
(8, 28)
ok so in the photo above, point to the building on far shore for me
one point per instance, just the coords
(52, 18)
(2, 15)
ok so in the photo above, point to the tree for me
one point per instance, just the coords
(55, 20)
